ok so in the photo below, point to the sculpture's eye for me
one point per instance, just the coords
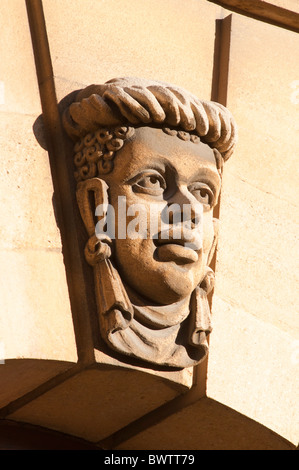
(150, 183)
(203, 193)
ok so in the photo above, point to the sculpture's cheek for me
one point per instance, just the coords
(161, 281)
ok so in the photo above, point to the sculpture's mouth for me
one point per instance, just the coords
(179, 250)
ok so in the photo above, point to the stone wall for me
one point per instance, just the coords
(33, 280)
(245, 396)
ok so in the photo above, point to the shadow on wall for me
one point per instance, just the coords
(39, 132)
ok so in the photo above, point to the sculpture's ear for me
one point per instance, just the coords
(90, 194)
(216, 231)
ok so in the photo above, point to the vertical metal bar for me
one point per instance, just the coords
(63, 191)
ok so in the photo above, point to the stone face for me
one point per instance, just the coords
(139, 145)
(245, 395)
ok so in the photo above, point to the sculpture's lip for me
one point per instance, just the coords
(177, 250)
(169, 241)
(190, 242)
(177, 253)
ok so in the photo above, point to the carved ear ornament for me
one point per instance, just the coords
(208, 282)
(97, 250)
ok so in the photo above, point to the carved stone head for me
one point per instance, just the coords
(148, 164)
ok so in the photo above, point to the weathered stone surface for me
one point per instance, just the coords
(30, 251)
(19, 377)
(206, 425)
(19, 89)
(261, 380)
(97, 402)
(15, 436)
(158, 40)
(255, 303)
(36, 343)
(260, 191)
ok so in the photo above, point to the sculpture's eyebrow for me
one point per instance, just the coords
(154, 166)
(209, 176)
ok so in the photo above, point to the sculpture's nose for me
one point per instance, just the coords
(184, 206)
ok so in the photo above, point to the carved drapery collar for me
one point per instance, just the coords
(133, 330)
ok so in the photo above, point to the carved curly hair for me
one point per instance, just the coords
(102, 117)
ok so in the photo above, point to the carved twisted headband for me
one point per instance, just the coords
(140, 102)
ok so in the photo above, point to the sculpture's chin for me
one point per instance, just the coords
(161, 272)
(168, 284)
